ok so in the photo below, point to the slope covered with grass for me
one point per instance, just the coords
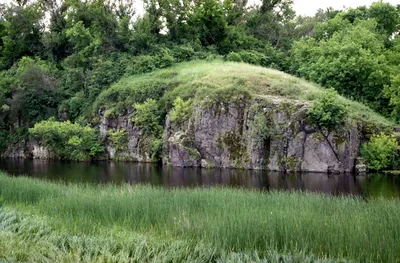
(216, 80)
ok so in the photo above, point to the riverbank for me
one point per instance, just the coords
(53, 221)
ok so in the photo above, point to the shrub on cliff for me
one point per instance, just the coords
(181, 111)
(69, 141)
(147, 117)
(118, 139)
(261, 129)
(380, 152)
(327, 111)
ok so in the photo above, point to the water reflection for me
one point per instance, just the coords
(374, 185)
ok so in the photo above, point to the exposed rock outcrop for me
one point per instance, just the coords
(261, 133)
(29, 149)
(223, 134)
(137, 148)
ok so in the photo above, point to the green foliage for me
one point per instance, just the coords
(147, 117)
(181, 111)
(392, 90)
(327, 111)
(60, 58)
(156, 149)
(261, 129)
(380, 152)
(69, 141)
(209, 82)
(35, 94)
(118, 139)
(251, 57)
(22, 32)
(148, 63)
(142, 64)
(183, 53)
(75, 106)
(131, 90)
(102, 221)
(351, 62)
(235, 57)
(387, 17)
(208, 22)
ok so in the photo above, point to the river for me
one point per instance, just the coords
(371, 185)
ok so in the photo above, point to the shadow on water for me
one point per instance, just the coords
(371, 185)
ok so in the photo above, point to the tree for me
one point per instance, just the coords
(351, 61)
(208, 22)
(35, 95)
(21, 31)
(392, 90)
(272, 21)
(386, 16)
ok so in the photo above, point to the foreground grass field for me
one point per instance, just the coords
(43, 221)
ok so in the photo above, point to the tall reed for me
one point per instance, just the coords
(233, 220)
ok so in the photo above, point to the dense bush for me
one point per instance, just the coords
(147, 117)
(380, 152)
(252, 57)
(249, 56)
(69, 141)
(327, 111)
(233, 56)
(181, 111)
(183, 53)
(118, 139)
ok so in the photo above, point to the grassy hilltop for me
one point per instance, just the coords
(218, 80)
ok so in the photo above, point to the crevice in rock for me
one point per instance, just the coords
(303, 151)
(330, 145)
(285, 152)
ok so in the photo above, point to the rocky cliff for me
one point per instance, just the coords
(29, 149)
(137, 145)
(249, 133)
(230, 135)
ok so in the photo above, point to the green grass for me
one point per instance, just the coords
(122, 223)
(205, 80)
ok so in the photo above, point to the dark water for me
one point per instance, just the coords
(371, 185)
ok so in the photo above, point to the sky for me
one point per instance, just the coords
(309, 7)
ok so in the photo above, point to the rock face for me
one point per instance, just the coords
(230, 135)
(262, 133)
(137, 147)
(28, 149)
